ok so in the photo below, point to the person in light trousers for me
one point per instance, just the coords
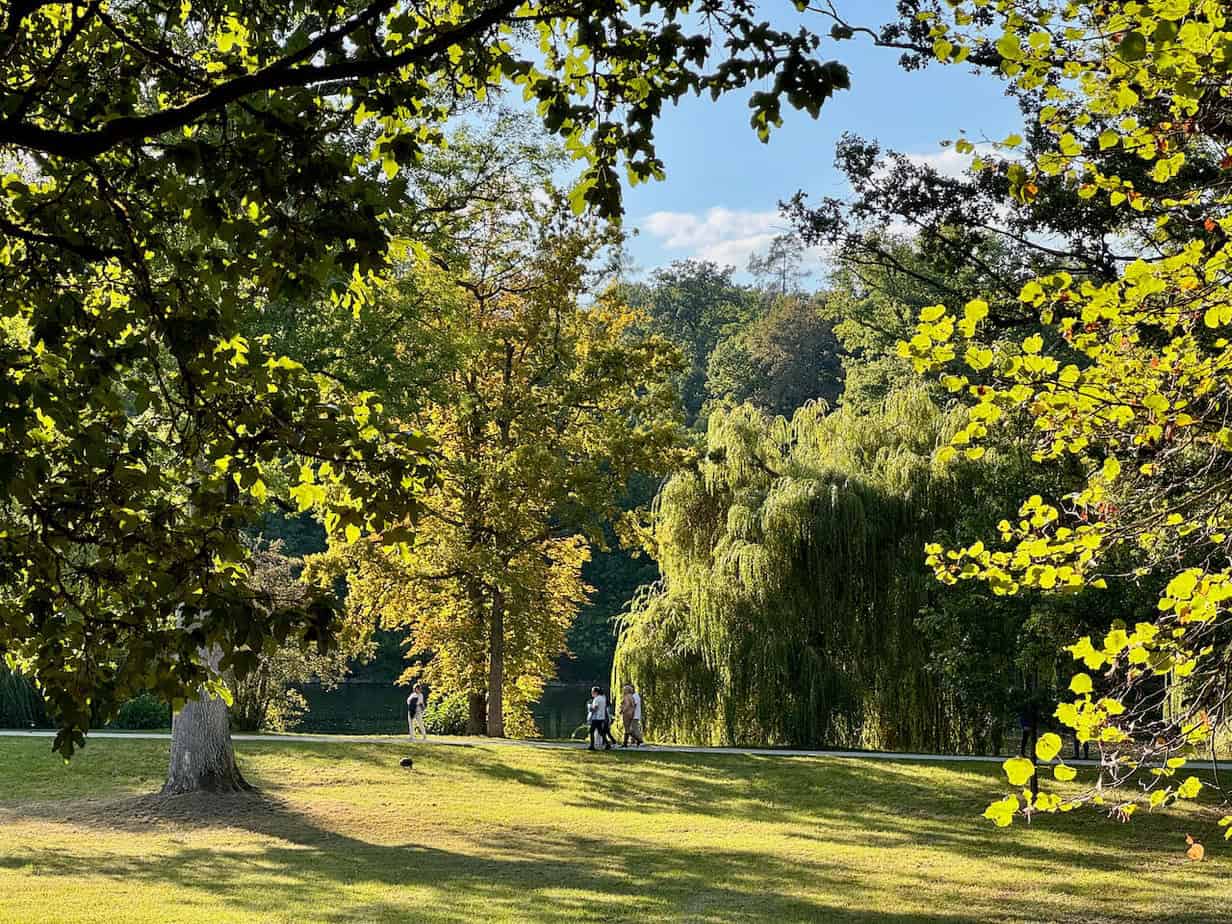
(415, 705)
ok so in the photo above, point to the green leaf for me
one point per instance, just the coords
(1132, 47)
(1009, 46)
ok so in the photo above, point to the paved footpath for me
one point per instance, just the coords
(577, 746)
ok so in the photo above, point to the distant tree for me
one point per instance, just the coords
(265, 697)
(780, 270)
(20, 703)
(793, 574)
(693, 304)
(779, 361)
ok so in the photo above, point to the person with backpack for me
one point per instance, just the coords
(416, 703)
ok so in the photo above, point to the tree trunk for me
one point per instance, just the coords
(202, 758)
(476, 723)
(496, 667)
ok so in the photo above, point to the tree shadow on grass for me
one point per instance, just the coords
(883, 803)
(302, 871)
(308, 864)
(822, 800)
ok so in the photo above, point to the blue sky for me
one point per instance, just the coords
(720, 198)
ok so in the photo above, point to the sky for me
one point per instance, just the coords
(720, 198)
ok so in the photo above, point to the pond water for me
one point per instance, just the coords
(380, 709)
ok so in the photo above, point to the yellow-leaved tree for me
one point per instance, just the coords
(1133, 378)
(542, 409)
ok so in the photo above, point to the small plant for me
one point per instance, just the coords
(143, 712)
(447, 716)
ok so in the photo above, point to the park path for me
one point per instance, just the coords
(578, 746)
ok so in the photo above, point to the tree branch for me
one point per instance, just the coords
(85, 145)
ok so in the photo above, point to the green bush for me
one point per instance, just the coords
(144, 712)
(447, 716)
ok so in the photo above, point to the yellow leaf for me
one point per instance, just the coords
(1182, 586)
(1064, 773)
(1081, 684)
(1019, 770)
(1048, 746)
(1002, 811)
(1190, 788)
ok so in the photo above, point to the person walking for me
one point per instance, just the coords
(631, 716)
(608, 738)
(596, 715)
(416, 703)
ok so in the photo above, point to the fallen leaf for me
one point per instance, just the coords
(1196, 851)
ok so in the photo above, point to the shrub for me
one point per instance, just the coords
(144, 712)
(447, 716)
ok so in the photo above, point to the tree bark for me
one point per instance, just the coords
(202, 758)
(477, 721)
(496, 666)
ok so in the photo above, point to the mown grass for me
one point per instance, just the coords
(340, 832)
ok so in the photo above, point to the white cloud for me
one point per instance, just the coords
(737, 251)
(947, 161)
(726, 236)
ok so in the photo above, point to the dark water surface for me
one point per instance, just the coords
(380, 709)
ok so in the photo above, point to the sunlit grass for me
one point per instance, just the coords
(475, 833)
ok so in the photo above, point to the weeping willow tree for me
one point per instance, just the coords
(20, 703)
(792, 577)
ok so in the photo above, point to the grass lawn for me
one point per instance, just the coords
(340, 833)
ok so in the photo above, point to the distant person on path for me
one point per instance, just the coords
(631, 716)
(608, 738)
(415, 705)
(596, 714)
